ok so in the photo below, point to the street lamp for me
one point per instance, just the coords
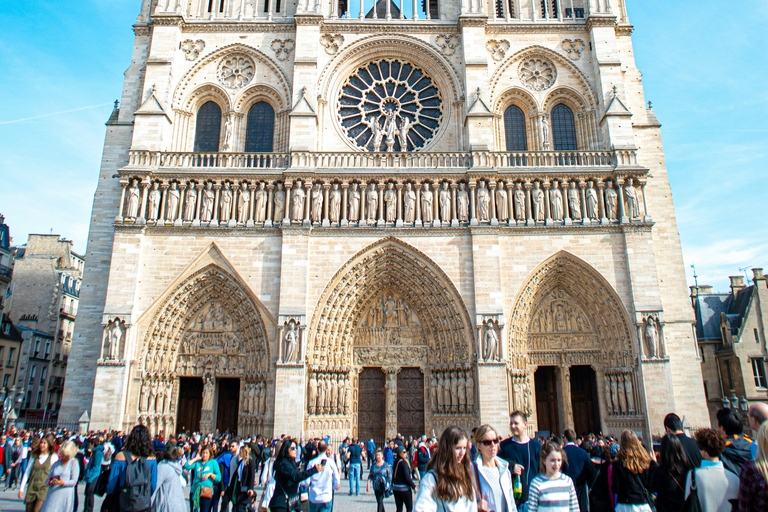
(744, 404)
(9, 410)
(726, 403)
(734, 403)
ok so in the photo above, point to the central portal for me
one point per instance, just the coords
(227, 405)
(410, 402)
(372, 405)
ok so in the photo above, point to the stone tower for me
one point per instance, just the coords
(383, 216)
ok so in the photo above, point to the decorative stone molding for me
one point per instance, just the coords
(329, 392)
(490, 328)
(291, 335)
(282, 48)
(497, 48)
(620, 392)
(114, 338)
(192, 49)
(332, 43)
(650, 330)
(538, 73)
(573, 47)
(447, 43)
(522, 394)
(236, 71)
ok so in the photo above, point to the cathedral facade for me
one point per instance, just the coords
(382, 216)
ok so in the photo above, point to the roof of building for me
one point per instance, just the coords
(21, 328)
(710, 306)
(8, 331)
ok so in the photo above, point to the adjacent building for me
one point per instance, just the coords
(6, 261)
(731, 334)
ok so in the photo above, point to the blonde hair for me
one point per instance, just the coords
(68, 449)
(761, 461)
(481, 431)
(632, 454)
(245, 453)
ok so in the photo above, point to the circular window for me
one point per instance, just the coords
(235, 71)
(390, 105)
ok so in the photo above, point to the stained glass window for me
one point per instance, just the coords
(260, 130)
(208, 128)
(563, 129)
(514, 129)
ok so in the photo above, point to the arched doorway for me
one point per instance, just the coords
(204, 361)
(570, 335)
(391, 310)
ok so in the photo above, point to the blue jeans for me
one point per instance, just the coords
(320, 507)
(354, 478)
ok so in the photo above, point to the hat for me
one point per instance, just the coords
(614, 449)
(398, 450)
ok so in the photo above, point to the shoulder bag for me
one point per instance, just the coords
(649, 498)
(294, 502)
(692, 503)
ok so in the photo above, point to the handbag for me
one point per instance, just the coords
(294, 502)
(649, 498)
(101, 482)
(692, 503)
(206, 493)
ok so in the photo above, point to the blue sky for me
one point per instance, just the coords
(703, 68)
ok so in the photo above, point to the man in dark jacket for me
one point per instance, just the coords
(423, 455)
(579, 467)
(92, 472)
(738, 448)
(673, 425)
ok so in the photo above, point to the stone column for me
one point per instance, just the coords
(528, 209)
(454, 213)
(252, 188)
(391, 401)
(363, 219)
(621, 214)
(511, 204)
(601, 202)
(417, 221)
(161, 217)
(602, 399)
(307, 202)
(233, 211)
(140, 218)
(646, 216)
(326, 195)
(582, 192)
(399, 222)
(472, 212)
(182, 196)
(344, 188)
(196, 220)
(268, 217)
(288, 192)
(548, 213)
(381, 222)
(566, 205)
(119, 217)
(436, 220)
(492, 192)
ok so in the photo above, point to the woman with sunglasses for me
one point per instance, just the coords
(287, 477)
(492, 476)
(447, 485)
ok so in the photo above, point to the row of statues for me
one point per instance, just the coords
(253, 398)
(452, 391)
(155, 396)
(329, 393)
(619, 394)
(521, 392)
(436, 204)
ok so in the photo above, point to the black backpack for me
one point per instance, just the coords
(136, 494)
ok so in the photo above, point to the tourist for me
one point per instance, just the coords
(716, 485)
(370, 447)
(630, 475)
(17, 456)
(522, 453)
(753, 481)
(42, 458)
(599, 488)
(381, 476)
(551, 490)
(287, 477)
(354, 457)
(738, 448)
(402, 481)
(228, 461)
(758, 414)
(668, 479)
(92, 472)
(169, 493)
(322, 484)
(673, 425)
(205, 476)
(63, 476)
(492, 476)
(423, 456)
(242, 486)
(137, 446)
(579, 467)
(447, 484)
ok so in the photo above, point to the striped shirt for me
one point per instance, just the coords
(556, 495)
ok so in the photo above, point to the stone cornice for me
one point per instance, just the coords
(308, 19)
(141, 29)
(476, 20)
(167, 19)
(391, 27)
(532, 28)
(255, 27)
(601, 20)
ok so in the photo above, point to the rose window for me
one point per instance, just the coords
(390, 105)
(236, 71)
(538, 74)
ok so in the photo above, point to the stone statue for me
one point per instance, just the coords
(190, 203)
(483, 202)
(297, 205)
(226, 202)
(378, 133)
(462, 203)
(321, 394)
(260, 203)
(174, 198)
(537, 202)
(262, 398)
(611, 201)
(390, 202)
(402, 134)
(633, 208)
(206, 203)
(608, 399)
(168, 390)
(335, 204)
(334, 394)
(427, 200)
(445, 202)
(279, 203)
(454, 391)
(502, 203)
(143, 397)
(651, 336)
(354, 203)
(372, 202)
(390, 130)
(409, 204)
(153, 390)
(134, 198)
(347, 397)
(556, 202)
(630, 394)
(574, 201)
(591, 199)
(622, 395)
(545, 130)
(470, 391)
(317, 203)
(433, 392)
(462, 392)
(243, 203)
(440, 391)
(491, 345)
(115, 331)
(614, 395)
(291, 342)
(154, 202)
(227, 133)
(519, 202)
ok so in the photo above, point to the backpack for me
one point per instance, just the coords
(136, 494)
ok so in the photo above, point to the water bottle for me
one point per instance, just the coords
(517, 488)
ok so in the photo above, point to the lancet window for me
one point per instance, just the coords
(563, 128)
(208, 128)
(260, 129)
(514, 129)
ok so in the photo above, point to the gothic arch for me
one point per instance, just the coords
(391, 264)
(205, 93)
(527, 103)
(567, 96)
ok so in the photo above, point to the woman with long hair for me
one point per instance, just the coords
(492, 476)
(137, 446)
(599, 490)
(630, 475)
(287, 477)
(41, 459)
(61, 479)
(668, 479)
(243, 486)
(380, 475)
(169, 495)
(447, 484)
(402, 481)
(206, 473)
(548, 490)
(753, 481)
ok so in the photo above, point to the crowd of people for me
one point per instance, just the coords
(716, 470)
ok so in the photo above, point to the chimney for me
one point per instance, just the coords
(737, 284)
(757, 274)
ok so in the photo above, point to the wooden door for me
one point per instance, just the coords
(584, 400)
(545, 380)
(190, 404)
(228, 404)
(371, 406)
(410, 402)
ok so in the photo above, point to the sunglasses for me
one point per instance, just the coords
(489, 442)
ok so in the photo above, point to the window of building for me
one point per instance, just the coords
(500, 5)
(757, 337)
(758, 371)
(32, 374)
(260, 129)
(28, 400)
(47, 348)
(43, 374)
(514, 129)
(563, 128)
(208, 128)
(39, 399)
(215, 5)
(37, 347)
(729, 373)
(2, 349)
(549, 9)
(11, 350)
(703, 354)
(706, 391)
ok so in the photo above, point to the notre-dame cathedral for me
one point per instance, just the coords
(382, 216)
